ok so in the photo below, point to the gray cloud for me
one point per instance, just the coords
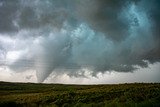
(68, 36)
(105, 16)
(8, 10)
(28, 14)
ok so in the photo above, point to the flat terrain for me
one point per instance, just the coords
(60, 95)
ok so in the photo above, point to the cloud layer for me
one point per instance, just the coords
(70, 37)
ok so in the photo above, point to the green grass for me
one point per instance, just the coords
(60, 95)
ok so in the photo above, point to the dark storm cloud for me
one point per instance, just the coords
(100, 35)
(152, 9)
(8, 9)
(105, 16)
(43, 13)
(27, 14)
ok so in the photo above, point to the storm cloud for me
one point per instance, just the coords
(71, 36)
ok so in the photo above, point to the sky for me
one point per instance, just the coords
(80, 41)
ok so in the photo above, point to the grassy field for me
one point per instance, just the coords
(60, 95)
